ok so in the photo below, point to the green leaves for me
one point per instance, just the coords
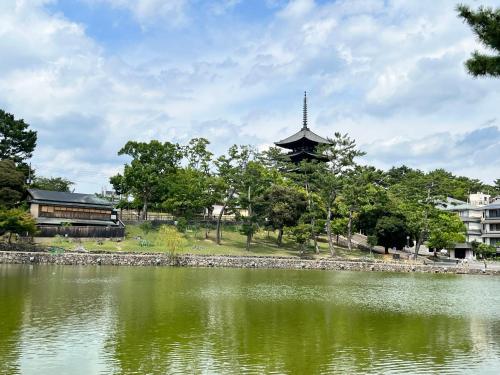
(445, 231)
(11, 184)
(16, 221)
(16, 141)
(52, 183)
(147, 174)
(485, 23)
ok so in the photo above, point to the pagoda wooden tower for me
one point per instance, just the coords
(303, 143)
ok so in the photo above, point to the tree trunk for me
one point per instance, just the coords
(218, 229)
(249, 240)
(250, 229)
(418, 244)
(10, 238)
(280, 236)
(349, 231)
(329, 231)
(219, 218)
(145, 210)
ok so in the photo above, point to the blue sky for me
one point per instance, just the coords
(89, 75)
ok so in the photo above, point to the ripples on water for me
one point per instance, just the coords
(90, 320)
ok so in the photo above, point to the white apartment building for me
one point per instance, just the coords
(481, 217)
(491, 224)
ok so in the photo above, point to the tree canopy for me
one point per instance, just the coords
(485, 23)
(12, 186)
(52, 183)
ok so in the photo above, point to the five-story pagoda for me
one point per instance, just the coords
(303, 143)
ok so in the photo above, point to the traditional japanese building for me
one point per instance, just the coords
(302, 145)
(74, 215)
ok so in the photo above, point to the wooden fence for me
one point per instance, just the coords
(132, 217)
(81, 231)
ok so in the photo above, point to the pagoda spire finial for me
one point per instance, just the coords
(304, 121)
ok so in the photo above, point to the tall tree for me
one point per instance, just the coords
(446, 229)
(361, 190)
(391, 231)
(146, 175)
(340, 153)
(17, 142)
(52, 183)
(230, 169)
(485, 23)
(281, 206)
(11, 184)
(190, 190)
(255, 178)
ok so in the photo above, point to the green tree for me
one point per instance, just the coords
(372, 241)
(415, 196)
(11, 184)
(338, 227)
(52, 183)
(340, 153)
(254, 181)
(446, 230)
(485, 23)
(281, 206)
(496, 186)
(486, 251)
(16, 221)
(152, 165)
(232, 170)
(360, 191)
(391, 231)
(17, 142)
(300, 234)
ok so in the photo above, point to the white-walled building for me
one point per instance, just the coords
(482, 221)
(491, 225)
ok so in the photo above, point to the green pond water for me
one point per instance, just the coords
(114, 320)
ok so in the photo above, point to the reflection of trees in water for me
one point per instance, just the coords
(162, 320)
(215, 320)
(13, 286)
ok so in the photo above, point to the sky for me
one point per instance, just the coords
(90, 75)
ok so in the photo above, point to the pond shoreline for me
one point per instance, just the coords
(228, 261)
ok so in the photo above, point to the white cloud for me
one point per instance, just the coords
(388, 73)
(149, 12)
(297, 9)
(475, 153)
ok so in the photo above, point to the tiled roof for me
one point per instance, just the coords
(493, 205)
(64, 197)
(303, 133)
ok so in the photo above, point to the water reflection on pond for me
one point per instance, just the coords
(86, 320)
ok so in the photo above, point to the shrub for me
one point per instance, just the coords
(169, 237)
(146, 227)
(182, 225)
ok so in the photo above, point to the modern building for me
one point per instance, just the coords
(482, 221)
(302, 145)
(470, 214)
(491, 225)
(74, 215)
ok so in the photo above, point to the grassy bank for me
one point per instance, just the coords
(194, 242)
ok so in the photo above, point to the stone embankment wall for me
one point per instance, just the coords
(130, 259)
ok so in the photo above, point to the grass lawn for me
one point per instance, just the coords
(194, 242)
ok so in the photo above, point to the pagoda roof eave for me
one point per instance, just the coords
(312, 155)
(303, 134)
